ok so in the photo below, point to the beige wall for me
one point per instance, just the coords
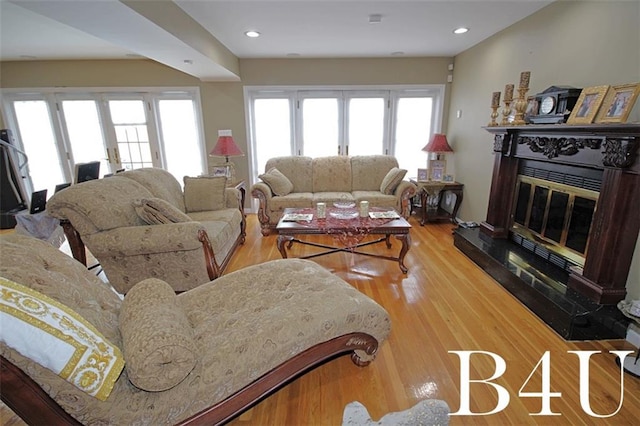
(579, 44)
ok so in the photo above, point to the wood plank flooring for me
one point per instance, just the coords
(444, 303)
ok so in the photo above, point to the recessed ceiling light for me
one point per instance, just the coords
(375, 18)
(460, 30)
(252, 34)
(188, 61)
(398, 53)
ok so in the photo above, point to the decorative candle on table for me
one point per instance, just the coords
(364, 209)
(508, 97)
(524, 79)
(508, 92)
(521, 103)
(321, 210)
(495, 104)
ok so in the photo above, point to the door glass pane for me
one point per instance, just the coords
(366, 126)
(39, 143)
(540, 195)
(320, 133)
(581, 217)
(522, 203)
(85, 133)
(130, 125)
(413, 127)
(556, 216)
(272, 130)
(179, 132)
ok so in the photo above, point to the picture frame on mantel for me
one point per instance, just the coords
(423, 175)
(618, 103)
(588, 105)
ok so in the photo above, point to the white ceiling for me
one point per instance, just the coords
(210, 34)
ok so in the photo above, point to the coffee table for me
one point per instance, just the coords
(349, 232)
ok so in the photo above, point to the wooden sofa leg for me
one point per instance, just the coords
(75, 242)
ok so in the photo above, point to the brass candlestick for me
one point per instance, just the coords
(506, 112)
(520, 107)
(494, 115)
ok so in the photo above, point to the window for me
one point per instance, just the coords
(122, 130)
(319, 122)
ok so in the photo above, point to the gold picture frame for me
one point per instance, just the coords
(587, 105)
(618, 103)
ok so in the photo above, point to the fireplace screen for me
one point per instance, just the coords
(554, 215)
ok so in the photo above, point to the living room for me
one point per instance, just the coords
(579, 44)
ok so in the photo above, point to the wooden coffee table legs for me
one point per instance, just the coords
(285, 242)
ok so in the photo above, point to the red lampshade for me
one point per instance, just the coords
(225, 147)
(438, 143)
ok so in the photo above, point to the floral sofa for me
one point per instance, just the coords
(154, 357)
(141, 224)
(302, 182)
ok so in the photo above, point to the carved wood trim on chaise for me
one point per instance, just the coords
(29, 401)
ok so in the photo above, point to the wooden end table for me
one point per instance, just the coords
(431, 193)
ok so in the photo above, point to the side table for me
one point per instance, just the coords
(431, 193)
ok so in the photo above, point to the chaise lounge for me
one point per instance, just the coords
(200, 357)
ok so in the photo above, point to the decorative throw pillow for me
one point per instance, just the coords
(392, 180)
(157, 338)
(204, 193)
(59, 339)
(156, 211)
(279, 183)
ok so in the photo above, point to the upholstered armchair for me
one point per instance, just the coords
(140, 224)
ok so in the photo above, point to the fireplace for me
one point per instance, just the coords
(553, 210)
(562, 222)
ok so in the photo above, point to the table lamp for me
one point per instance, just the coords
(437, 149)
(226, 147)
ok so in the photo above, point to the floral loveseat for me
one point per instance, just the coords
(140, 224)
(304, 181)
(199, 357)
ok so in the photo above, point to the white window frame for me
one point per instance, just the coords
(295, 93)
(53, 96)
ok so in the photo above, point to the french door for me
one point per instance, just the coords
(323, 122)
(121, 130)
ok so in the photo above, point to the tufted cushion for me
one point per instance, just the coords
(157, 338)
(279, 183)
(58, 338)
(204, 193)
(156, 211)
(392, 180)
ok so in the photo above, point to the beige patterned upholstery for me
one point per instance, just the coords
(185, 254)
(244, 324)
(329, 179)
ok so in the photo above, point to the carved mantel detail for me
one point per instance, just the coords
(501, 143)
(553, 147)
(619, 153)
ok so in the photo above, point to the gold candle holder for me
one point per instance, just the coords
(506, 112)
(494, 115)
(495, 103)
(520, 107)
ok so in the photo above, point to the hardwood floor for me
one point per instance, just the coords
(445, 303)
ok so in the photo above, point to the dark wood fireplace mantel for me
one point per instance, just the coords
(612, 148)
